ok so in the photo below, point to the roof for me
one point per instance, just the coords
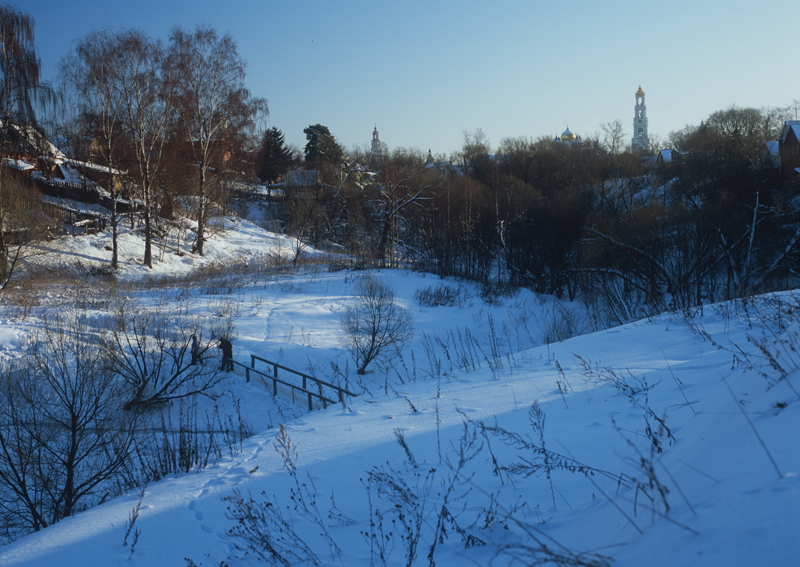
(790, 126)
(29, 140)
(668, 156)
(18, 164)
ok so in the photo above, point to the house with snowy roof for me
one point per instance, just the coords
(789, 148)
(25, 143)
(770, 154)
(666, 157)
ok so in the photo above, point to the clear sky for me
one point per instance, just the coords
(426, 71)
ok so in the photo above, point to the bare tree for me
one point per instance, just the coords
(401, 186)
(63, 435)
(375, 324)
(309, 220)
(475, 153)
(92, 74)
(612, 137)
(213, 105)
(21, 89)
(22, 222)
(151, 353)
(146, 104)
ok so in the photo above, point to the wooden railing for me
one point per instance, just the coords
(307, 382)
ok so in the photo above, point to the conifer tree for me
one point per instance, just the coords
(274, 157)
(321, 146)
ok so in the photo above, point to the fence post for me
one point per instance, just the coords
(310, 406)
(252, 361)
(247, 373)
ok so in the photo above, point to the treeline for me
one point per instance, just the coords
(712, 222)
(172, 124)
(165, 120)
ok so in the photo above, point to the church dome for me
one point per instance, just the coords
(640, 92)
(567, 135)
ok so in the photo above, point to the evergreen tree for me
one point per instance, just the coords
(274, 157)
(321, 146)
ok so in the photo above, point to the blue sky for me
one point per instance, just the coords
(427, 71)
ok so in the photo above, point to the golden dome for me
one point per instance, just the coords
(567, 135)
(640, 92)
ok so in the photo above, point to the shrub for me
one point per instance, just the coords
(440, 295)
(375, 324)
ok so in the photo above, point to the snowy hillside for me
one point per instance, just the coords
(669, 441)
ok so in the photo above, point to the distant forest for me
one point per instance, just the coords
(712, 219)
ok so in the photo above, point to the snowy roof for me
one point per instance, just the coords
(91, 166)
(790, 125)
(18, 164)
(667, 156)
(772, 148)
(38, 141)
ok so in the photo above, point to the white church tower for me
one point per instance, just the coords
(640, 141)
(376, 150)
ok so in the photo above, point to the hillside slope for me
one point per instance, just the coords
(713, 497)
(670, 441)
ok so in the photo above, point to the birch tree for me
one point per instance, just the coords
(93, 75)
(146, 103)
(214, 109)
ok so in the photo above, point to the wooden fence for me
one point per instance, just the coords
(324, 393)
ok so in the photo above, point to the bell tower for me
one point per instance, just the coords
(640, 141)
(376, 149)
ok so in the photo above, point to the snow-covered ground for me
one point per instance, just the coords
(669, 441)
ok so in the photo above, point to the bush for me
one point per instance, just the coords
(375, 323)
(440, 295)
